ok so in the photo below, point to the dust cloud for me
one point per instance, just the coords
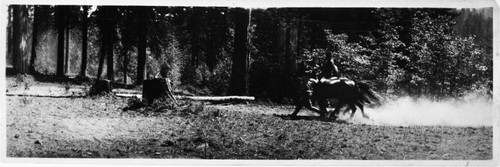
(472, 111)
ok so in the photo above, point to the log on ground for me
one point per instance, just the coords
(217, 98)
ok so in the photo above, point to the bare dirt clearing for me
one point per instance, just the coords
(97, 127)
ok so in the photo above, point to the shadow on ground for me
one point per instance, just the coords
(309, 118)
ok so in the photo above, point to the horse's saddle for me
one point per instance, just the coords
(334, 80)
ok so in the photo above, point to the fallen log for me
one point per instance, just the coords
(126, 91)
(129, 95)
(44, 95)
(199, 98)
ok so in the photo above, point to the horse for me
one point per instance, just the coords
(345, 91)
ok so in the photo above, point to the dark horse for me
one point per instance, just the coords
(346, 91)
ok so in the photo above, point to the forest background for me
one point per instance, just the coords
(436, 53)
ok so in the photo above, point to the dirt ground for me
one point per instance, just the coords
(99, 127)
(96, 127)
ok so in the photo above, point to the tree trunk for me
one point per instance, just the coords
(125, 64)
(194, 24)
(16, 35)
(67, 62)
(239, 74)
(110, 30)
(102, 54)
(60, 17)
(287, 52)
(104, 40)
(10, 41)
(211, 52)
(109, 52)
(141, 48)
(100, 86)
(83, 67)
(157, 88)
(299, 33)
(34, 39)
(289, 89)
(20, 36)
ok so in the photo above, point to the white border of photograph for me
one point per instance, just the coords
(257, 4)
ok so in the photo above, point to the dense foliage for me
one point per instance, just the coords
(424, 56)
(398, 51)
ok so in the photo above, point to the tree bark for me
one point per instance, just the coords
(20, 36)
(109, 51)
(194, 24)
(60, 17)
(299, 33)
(141, 47)
(104, 40)
(67, 62)
(100, 86)
(110, 30)
(16, 35)
(124, 53)
(10, 41)
(102, 54)
(83, 67)
(287, 52)
(157, 88)
(211, 52)
(34, 42)
(239, 74)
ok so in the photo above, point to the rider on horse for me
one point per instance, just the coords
(330, 86)
(329, 70)
(310, 77)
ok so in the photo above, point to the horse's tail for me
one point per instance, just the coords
(367, 94)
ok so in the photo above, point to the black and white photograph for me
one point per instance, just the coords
(232, 83)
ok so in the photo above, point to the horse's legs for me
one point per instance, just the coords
(339, 106)
(353, 109)
(308, 105)
(322, 107)
(362, 110)
(304, 102)
(297, 109)
(300, 103)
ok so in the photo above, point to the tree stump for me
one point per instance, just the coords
(100, 86)
(157, 88)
